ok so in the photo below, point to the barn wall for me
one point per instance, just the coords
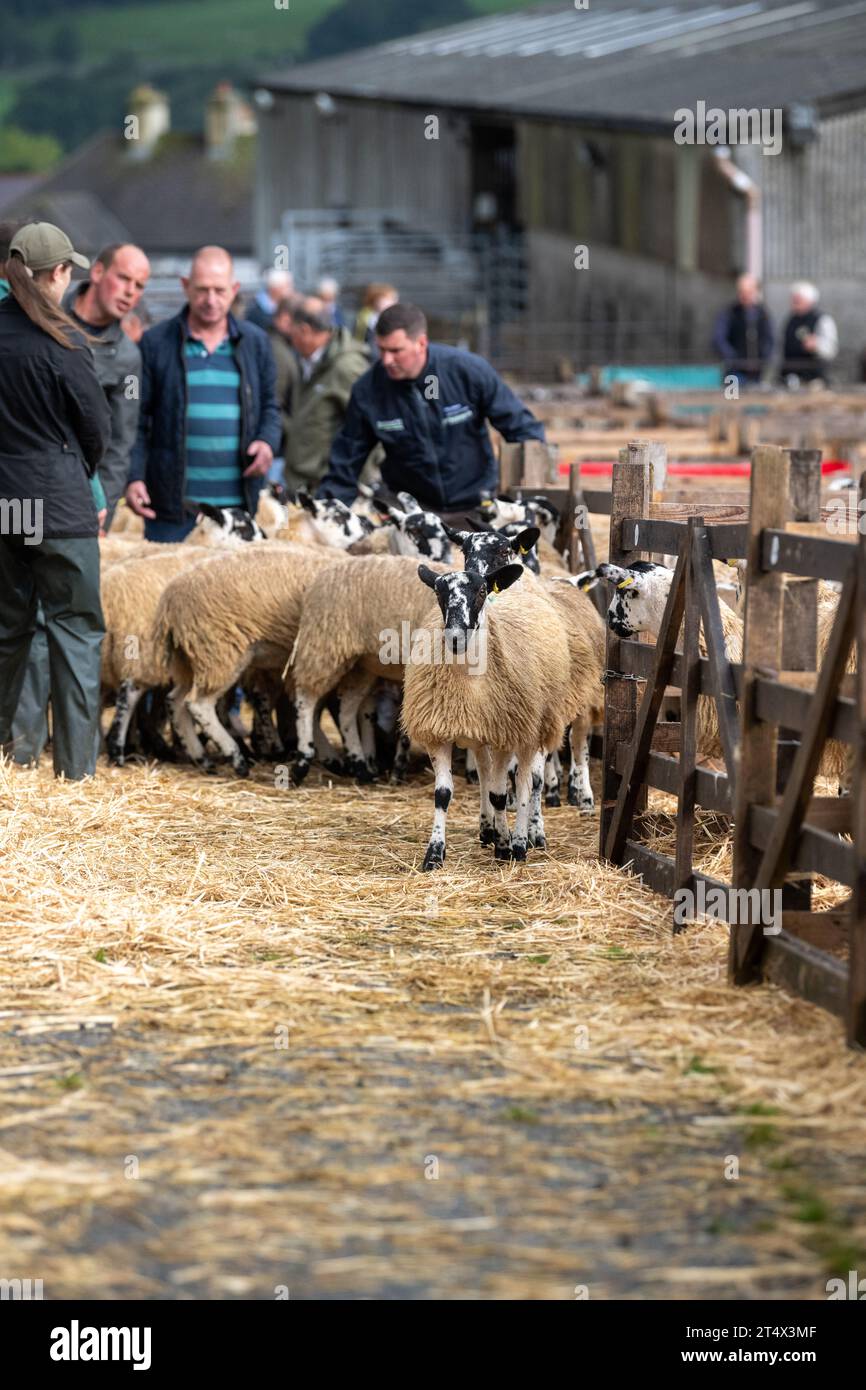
(618, 190)
(367, 156)
(624, 307)
(815, 225)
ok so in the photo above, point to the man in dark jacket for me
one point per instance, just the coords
(117, 281)
(743, 335)
(428, 406)
(810, 341)
(209, 424)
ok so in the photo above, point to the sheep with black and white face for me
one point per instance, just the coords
(511, 698)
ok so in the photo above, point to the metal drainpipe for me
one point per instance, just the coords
(749, 190)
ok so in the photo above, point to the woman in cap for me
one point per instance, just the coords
(54, 427)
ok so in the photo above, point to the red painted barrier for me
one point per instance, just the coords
(702, 470)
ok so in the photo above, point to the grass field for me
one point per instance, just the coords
(192, 31)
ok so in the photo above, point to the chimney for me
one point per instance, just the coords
(226, 117)
(149, 118)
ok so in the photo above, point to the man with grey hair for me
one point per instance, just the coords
(811, 340)
(328, 290)
(278, 285)
(330, 363)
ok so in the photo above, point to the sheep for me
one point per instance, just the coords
(488, 549)
(324, 522)
(218, 527)
(417, 532)
(353, 623)
(272, 512)
(533, 511)
(131, 661)
(225, 526)
(540, 558)
(215, 623)
(638, 605)
(116, 550)
(586, 646)
(126, 522)
(516, 700)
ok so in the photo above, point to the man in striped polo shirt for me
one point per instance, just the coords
(209, 422)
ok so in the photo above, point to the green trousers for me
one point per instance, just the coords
(62, 578)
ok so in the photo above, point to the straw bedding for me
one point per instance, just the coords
(245, 1046)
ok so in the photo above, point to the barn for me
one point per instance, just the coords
(471, 162)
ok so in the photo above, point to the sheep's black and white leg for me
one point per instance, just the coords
(552, 779)
(181, 721)
(472, 770)
(486, 832)
(306, 724)
(353, 693)
(203, 711)
(440, 757)
(511, 802)
(497, 795)
(530, 778)
(128, 696)
(326, 753)
(537, 837)
(579, 785)
(284, 711)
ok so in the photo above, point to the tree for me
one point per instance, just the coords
(23, 153)
(358, 23)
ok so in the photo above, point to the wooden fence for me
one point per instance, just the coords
(773, 720)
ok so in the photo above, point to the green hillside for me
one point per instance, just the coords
(66, 68)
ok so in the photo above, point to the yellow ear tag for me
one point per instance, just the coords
(624, 583)
(524, 549)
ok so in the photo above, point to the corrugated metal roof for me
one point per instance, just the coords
(622, 61)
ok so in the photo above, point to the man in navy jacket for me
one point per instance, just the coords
(209, 423)
(428, 406)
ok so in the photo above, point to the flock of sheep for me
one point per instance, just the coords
(296, 608)
(304, 607)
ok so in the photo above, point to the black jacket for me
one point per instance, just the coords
(159, 454)
(433, 430)
(54, 425)
(808, 366)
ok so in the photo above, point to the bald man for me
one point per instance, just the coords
(117, 280)
(209, 424)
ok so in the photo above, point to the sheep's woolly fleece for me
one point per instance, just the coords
(246, 1045)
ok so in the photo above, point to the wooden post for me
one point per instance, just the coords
(633, 782)
(530, 463)
(631, 491)
(799, 635)
(856, 1004)
(689, 692)
(762, 648)
(510, 466)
